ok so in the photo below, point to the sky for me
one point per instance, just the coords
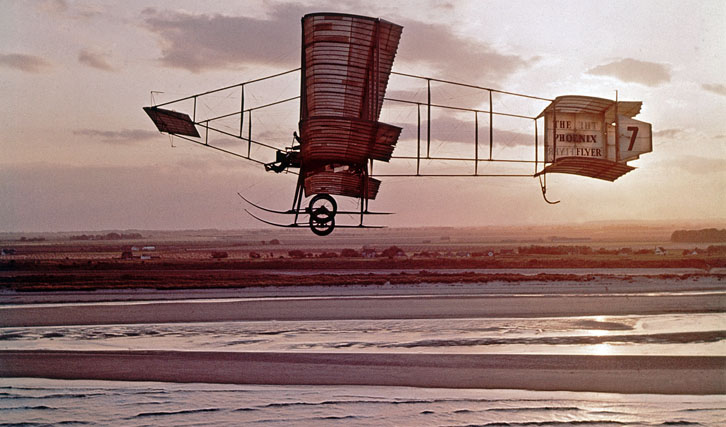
(77, 152)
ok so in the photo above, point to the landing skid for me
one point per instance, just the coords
(306, 211)
(293, 225)
(321, 212)
(262, 208)
(304, 224)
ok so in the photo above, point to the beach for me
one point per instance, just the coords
(613, 374)
(447, 316)
(361, 307)
(426, 367)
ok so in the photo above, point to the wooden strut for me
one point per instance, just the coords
(297, 200)
(543, 180)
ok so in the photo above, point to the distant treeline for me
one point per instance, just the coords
(109, 236)
(554, 250)
(696, 236)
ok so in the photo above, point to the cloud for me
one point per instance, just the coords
(635, 71)
(669, 133)
(118, 137)
(55, 7)
(442, 94)
(205, 42)
(95, 60)
(446, 6)
(698, 165)
(451, 130)
(74, 10)
(418, 95)
(200, 42)
(681, 133)
(26, 63)
(454, 57)
(718, 89)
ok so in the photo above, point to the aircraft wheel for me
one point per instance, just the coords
(322, 228)
(322, 209)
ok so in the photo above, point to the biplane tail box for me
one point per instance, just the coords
(581, 139)
(344, 183)
(348, 141)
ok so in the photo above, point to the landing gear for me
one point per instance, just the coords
(322, 209)
(321, 212)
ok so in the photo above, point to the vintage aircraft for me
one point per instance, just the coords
(345, 67)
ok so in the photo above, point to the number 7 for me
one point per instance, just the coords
(633, 135)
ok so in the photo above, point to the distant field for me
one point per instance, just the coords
(166, 260)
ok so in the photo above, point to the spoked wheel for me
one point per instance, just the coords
(322, 210)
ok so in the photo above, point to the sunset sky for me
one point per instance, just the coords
(77, 152)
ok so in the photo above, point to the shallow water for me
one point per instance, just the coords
(670, 334)
(25, 401)
(39, 401)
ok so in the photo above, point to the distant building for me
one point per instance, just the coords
(368, 253)
(148, 248)
(660, 251)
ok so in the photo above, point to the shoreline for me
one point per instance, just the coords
(611, 374)
(527, 296)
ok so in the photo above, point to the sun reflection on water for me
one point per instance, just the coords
(603, 349)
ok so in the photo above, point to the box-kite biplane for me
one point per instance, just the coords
(346, 64)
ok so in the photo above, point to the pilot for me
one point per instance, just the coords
(287, 158)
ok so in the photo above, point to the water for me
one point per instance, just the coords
(30, 401)
(26, 401)
(669, 334)
(39, 402)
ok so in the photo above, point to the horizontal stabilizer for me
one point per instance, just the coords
(172, 122)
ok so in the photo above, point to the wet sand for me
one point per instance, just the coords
(360, 307)
(618, 374)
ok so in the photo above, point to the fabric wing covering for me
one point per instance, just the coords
(346, 64)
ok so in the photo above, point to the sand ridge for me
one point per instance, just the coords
(621, 374)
